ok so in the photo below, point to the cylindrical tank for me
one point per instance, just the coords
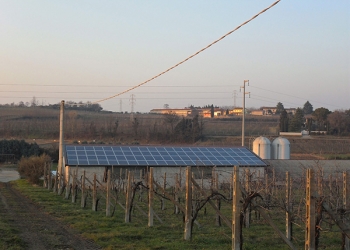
(262, 147)
(280, 149)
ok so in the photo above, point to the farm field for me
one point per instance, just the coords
(41, 125)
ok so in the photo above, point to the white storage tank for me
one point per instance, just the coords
(262, 147)
(280, 149)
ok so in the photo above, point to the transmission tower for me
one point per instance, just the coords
(234, 98)
(132, 103)
(243, 109)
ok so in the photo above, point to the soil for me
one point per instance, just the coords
(36, 228)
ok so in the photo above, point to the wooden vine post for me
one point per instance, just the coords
(68, 186)
(74, 184)
(45, 184)
(164, 188)
(346, 203)
(218, 201)
(49, 187)
(288, 207)
(176, 193)
(236, 211)
(188, 207)
(310, 231)
(83, 195)
(150, 198)
(273, 182)
(140, 187)
(108, 194)
(94, 194)
(55, 186)
(128, 197)
(247, 188)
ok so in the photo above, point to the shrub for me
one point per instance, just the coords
(32, 168)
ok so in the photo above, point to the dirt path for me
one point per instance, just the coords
(38, 229)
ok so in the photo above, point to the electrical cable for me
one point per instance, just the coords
(191, 56)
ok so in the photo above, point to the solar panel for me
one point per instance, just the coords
(160, 156)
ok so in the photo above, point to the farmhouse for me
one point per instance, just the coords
(271, 111)
(164, 159)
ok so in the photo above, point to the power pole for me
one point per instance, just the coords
(61, 164)
(243, 111)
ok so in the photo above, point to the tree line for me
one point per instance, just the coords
(69, 105)
(15, 150)
(320, 119)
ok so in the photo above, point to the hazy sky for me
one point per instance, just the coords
(89, 50)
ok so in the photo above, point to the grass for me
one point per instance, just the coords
(337, 156)
(9, 239)
(113, 232)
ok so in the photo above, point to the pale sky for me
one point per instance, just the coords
(87, 50)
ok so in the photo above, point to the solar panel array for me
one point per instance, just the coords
(160, 156)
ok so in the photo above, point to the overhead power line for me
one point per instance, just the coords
(114, 86)
(301, 98)
(191, 56)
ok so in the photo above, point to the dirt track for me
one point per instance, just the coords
(38, 229)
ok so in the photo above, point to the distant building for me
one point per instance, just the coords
(257, 112)
(204, 112)
(179, 112)
(291, 111)
(269, 110)
(207, 112)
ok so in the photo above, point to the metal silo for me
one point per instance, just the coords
(280, 149)
(262, 147)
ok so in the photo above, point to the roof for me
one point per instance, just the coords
(89, 155)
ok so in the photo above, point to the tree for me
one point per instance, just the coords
(189, 130)
(33, 167)
(34, 102)
(171, 119)
(297, 121)
(279, 108)
(320, 115)
(212, 111)
(308, 109)
(135, 125)
(339, 122)
(284, 121)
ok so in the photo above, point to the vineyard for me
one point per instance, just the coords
(241, 209)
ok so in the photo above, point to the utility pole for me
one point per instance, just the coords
(61, 147)
(243, 111)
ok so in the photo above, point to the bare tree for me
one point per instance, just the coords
(171, 119)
